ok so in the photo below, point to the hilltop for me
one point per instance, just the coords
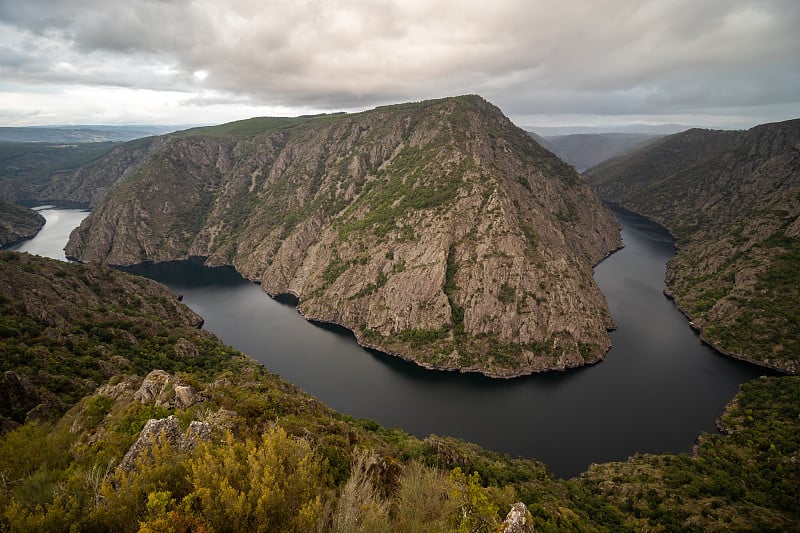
(437, 231)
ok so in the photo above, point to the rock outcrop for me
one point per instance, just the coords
(436, 231)
(732, 200)
(168, 430)
(518, 520)
(166, 391)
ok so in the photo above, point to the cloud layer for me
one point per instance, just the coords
(616, 58)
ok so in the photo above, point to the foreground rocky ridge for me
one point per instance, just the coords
(732, 200)
(185, 433)
(436, 231)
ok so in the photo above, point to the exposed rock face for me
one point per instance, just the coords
(165, 390)
(168, 430)
(732, 200)
(436, 231)
(18, 223)
(518, 520)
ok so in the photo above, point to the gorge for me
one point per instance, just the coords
(658, 388)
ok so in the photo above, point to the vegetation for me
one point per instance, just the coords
(17, 223)
(278, 460)
(731, 200)
(745, 480)
(26, 168)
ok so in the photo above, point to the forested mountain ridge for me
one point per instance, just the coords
(168, 429)
(732, 200)
(437, 231)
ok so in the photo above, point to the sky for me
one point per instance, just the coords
(710, 63)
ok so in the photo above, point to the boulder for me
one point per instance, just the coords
(169, 430)
(153, 385)
(518, 520)
(166, 428)
(186, 396)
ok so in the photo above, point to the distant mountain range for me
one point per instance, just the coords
(648, 129)
(585, 150)
(82, 133)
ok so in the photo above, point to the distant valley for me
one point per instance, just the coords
(585, 150)
(81, 134)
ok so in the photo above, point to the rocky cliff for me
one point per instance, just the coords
(18, 223)
(437, 231)
(732, 200)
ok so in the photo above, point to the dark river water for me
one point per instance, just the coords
(657, 389)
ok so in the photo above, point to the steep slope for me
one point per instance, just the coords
(241, 449)
(732, 200)
(88, 184)
(27, 168)
(18, 223)
(437, 231)
(65, 328)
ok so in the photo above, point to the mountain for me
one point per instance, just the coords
(732, 200)
(18, 223)
(437, 231)
(122, 415)
(585, 150)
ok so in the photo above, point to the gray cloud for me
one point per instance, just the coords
(530, 57)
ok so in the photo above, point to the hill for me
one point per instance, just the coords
(129, 418)
(732, 200)
(437, 231)
(17, 223)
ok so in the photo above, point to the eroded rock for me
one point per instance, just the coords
(168, 430)
(167, 391)
(518, 520)
(153, 386)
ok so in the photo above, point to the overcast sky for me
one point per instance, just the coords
(714, 63)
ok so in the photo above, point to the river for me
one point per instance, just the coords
(658, 388)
